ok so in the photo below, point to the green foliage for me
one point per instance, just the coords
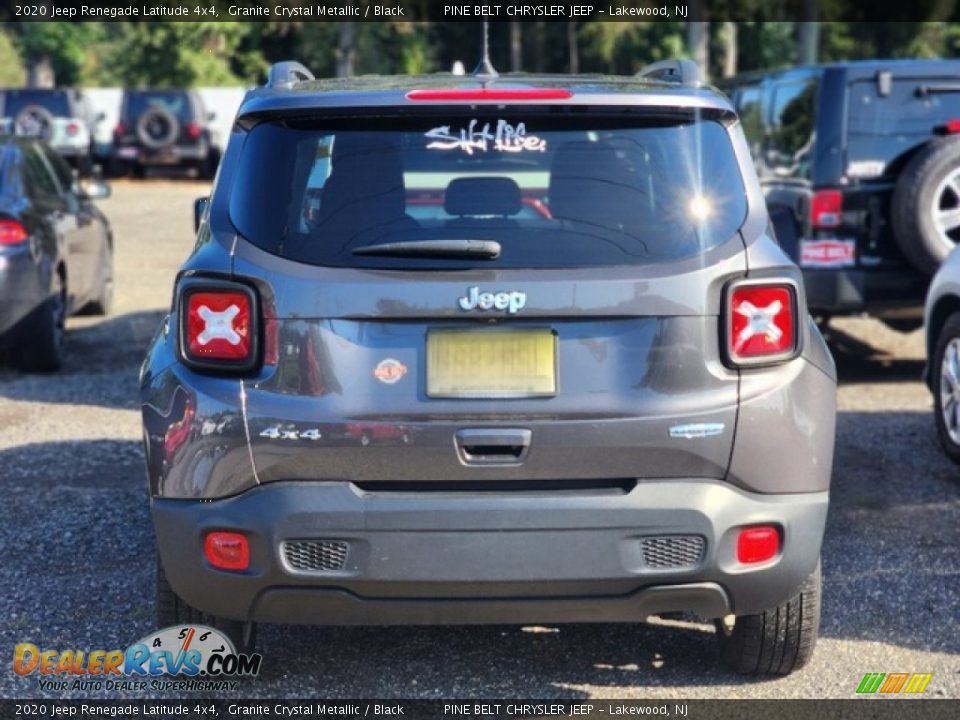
(11, 65)
(180, 54)
(65, 44)
(170, 53)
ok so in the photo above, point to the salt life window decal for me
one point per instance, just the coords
(501, 137)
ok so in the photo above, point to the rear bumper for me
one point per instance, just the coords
(73, 152)
(883, 293)
(170, 155)
(452, 558)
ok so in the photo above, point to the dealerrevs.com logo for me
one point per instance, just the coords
(180, 657)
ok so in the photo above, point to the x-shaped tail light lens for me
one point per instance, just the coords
(761, 323)
(219, 325)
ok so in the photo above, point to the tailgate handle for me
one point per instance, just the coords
(494, 446)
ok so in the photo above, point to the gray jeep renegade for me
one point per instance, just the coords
(473, 350)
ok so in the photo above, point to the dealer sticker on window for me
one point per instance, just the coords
(501, 137)
(830, 253)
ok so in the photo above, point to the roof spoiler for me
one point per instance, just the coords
(682, 72)
(286, 74)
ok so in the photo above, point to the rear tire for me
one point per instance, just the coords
(120, 168)
(172, 610)
(42, 338)
(777, 641)
(944, 373)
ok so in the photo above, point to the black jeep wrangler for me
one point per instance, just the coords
(860, 165)
(163, 128)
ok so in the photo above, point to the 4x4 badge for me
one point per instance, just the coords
(509, 301)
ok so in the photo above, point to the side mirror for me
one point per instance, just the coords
(94, 187)
(199, 208)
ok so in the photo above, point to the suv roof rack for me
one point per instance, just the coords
(286, 74)
(682, 72)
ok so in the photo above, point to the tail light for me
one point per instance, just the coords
(758, 544)
(826, 209)
(73, 127)
(120, 130)
(227, 550)
(952, 127)
(12, 232)
(219, 325)
(761, 323)
(193, 130)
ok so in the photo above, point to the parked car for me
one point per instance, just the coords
(860, 165)
(942, 373)
(614, 409)
(163, 128)
(56, 251)
(62, 117)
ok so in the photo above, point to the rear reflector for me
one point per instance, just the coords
(489, 94)
(826, 209)
(219, 325)
(193, 130)
(758, 544)
(12, 232)
(227, 550)
(952, 126)
(761, 323)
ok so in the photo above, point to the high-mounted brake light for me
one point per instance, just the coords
(761, 323)
(219, 326)
(227, 550)
(193, 130)
(826, 209)
(758, 544)
(489, 94)
(12, 232)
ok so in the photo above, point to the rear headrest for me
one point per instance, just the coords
(482, 196)
(599, 183)
(366, 179)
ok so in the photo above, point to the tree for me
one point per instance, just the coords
(11, 65)
(179, 54)
(346, 49)
(698, 36)
(54, 52)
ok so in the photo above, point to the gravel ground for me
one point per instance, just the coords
(78, 548)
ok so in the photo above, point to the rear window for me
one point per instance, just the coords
(551, 192)
(175, 102)
(880, 128)
(54, 101)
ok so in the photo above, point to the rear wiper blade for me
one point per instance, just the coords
(486, 249)
(924, 90)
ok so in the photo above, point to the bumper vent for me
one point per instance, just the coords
(315, 555)
(672, 552)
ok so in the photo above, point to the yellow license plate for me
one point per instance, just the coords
(491, 363)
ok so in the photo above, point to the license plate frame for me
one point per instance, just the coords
(445, 380)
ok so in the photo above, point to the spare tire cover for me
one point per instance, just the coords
(34, 121)
(157, 128)
(925, 208)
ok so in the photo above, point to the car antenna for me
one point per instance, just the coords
(485, 72)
